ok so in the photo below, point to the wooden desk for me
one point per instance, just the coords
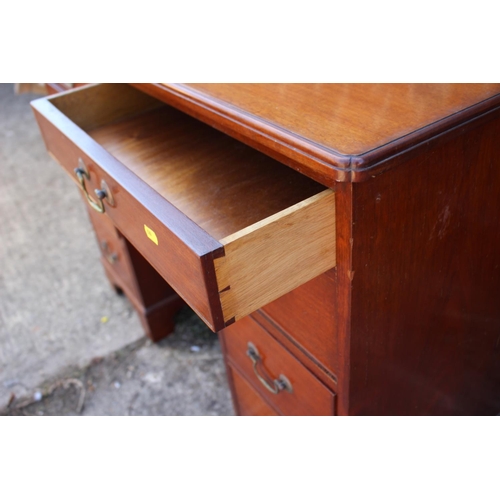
(342, 238)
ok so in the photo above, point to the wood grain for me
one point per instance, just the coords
(102, 103)
(184, 256)
(314, 321)
(425, 334)
(408, 319)
(129, 272)
(195, 179)
(159, 303)
(306, 320)
(158, 320)
(330, 132)
(272, 257)
(350, 119)
(219, 183)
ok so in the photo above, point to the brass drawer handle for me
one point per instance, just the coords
(111, 257)
(274, 386)
(82, 173)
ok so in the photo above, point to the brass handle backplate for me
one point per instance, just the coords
(82, 173)
(274, 386)
(111, 257)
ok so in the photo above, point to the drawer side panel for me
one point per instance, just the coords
(271, 258)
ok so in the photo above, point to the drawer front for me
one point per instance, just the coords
(113, 249)
(309, 317)
(176, 247)
(223, 277)
(248, 401)
(274, 373)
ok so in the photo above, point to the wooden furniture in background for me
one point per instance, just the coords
(56, 88)
(350, 232)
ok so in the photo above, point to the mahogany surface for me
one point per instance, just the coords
(219, 183)
(185, 259)
(408, 321)
(308, 397)
(248, 403)
(193, 165)
(307, 316)
(350, 119)
(425, 317)
(332, 132)
(128, 271)
(112, 247)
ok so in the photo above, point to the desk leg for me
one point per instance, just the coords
(129, 272)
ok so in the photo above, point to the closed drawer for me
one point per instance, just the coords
(274, 373)
(247, 400)
(229, 228)
(307, 319)
(113, 249)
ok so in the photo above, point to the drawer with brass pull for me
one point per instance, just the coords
(281, 380)
(229, 228)
(113, 253)
(248, 403)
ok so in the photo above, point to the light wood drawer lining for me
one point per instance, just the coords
(274, 256)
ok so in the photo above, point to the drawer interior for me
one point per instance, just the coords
(239, 228)
(221, 184)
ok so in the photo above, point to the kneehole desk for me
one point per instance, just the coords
(342, 239)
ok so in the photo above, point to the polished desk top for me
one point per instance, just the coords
(332, 132)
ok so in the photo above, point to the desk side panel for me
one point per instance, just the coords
(425, 331)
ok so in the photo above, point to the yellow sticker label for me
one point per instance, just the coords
(151, 234)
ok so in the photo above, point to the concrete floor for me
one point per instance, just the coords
(57, 356)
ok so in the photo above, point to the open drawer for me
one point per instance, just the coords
(227, 227)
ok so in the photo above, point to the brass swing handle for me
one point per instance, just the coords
(274, 386)
(82, 173)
